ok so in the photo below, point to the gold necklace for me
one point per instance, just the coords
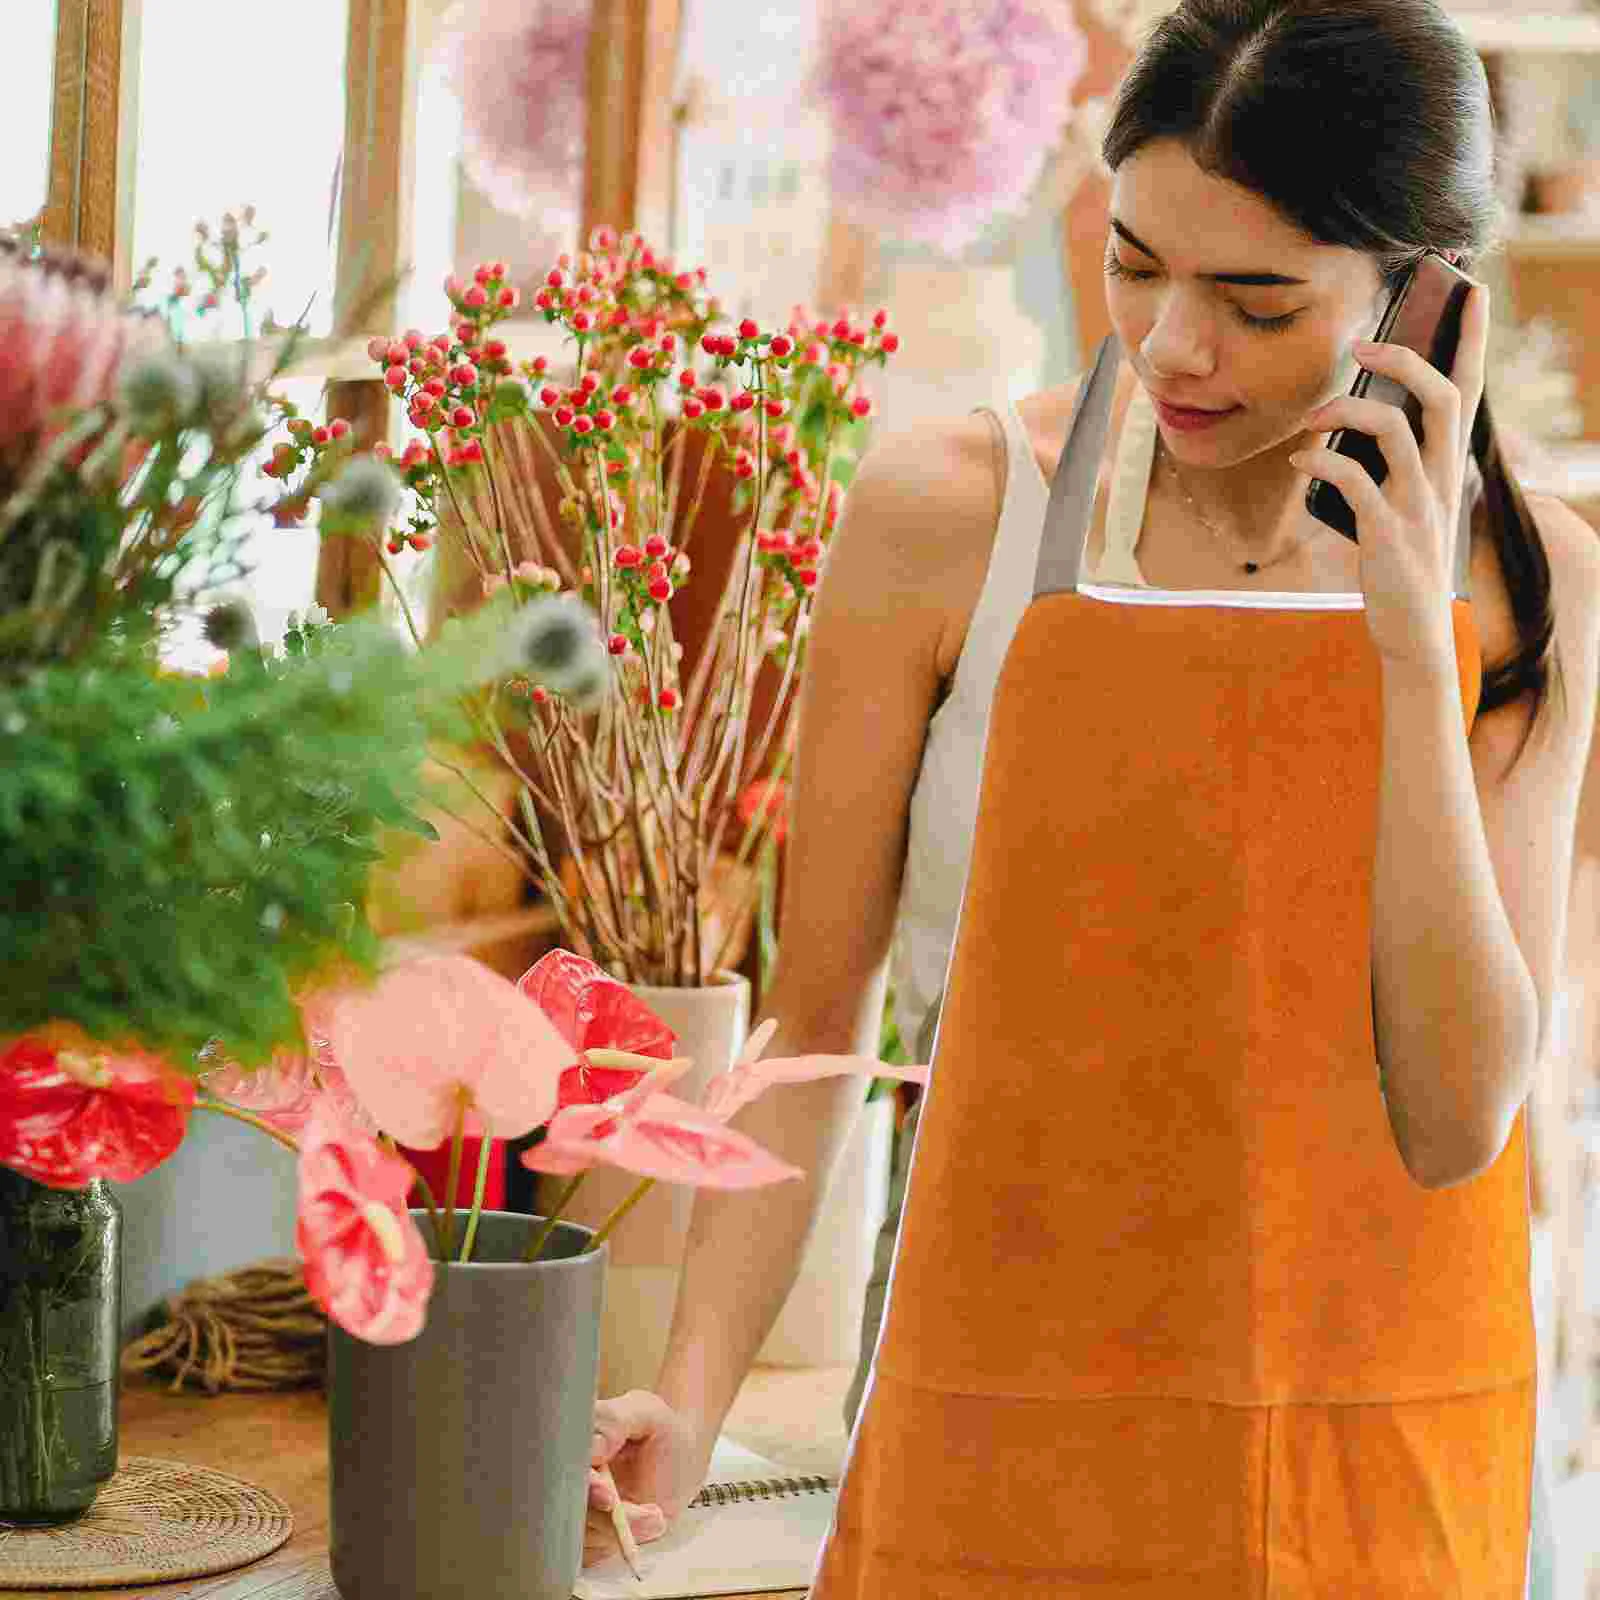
(1216, 532)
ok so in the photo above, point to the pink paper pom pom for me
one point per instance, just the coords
(944, 111)
(521, 67)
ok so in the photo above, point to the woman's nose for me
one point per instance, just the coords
(1179, 343)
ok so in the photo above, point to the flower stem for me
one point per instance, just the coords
(255, 1122)
(419, 1182)
(457, 1141)
(537, 1244)
(621, 1211)
(484, 1151)
(399, 593)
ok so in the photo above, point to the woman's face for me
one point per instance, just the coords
(1266, 352)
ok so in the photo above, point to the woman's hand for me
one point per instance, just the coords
(658, 1460)
(1407, 527)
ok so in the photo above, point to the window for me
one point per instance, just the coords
(260, 124)
(25, 109)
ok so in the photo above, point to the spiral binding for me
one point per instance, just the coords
(724, 1494)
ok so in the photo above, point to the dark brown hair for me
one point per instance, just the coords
(1368, 124)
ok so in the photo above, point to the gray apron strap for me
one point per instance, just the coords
(1066, 522)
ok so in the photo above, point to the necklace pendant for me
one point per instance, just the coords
(1250, 566)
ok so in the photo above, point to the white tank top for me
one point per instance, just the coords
(944, 801)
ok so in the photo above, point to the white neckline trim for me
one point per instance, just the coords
(1247, 599)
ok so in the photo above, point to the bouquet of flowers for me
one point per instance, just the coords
(641, 811)
(182, 856)
(179, 854)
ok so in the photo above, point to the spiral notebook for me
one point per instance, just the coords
(752, 1528)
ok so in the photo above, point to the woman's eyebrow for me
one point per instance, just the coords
(1252, 279)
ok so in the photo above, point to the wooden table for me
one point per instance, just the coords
(280, 1442)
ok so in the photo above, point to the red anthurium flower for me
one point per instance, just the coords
(365, 1261)
(663, 1138)
(770, 798)
(72, 1110)
(592, 1010)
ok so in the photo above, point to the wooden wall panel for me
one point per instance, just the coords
(1567, 291)
(1088, 212)
(628, 171)
(81, 207)
(377, 181)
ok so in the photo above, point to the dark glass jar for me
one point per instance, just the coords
(60, 1320)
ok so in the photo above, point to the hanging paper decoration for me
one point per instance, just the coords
(521, 68)
(944, 111)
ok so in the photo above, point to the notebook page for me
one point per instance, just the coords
(745, 1548)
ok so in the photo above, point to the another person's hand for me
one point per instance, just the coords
(658, 1460)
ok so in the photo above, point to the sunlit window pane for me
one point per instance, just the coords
(30, 30)
(261, 124)
(752, 204)
(280, 564)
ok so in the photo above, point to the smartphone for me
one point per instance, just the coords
(1424, 314)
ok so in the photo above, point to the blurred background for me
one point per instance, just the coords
(419, 137)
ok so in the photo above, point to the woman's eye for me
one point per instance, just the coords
(1266, 324)
(1118, 269)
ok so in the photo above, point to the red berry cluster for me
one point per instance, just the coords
(449, 381)
(648, 570)
(323, 449)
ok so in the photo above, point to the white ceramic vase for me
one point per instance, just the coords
(648, 1245)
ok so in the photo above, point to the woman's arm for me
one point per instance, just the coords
(922, 507)
(1470, 884)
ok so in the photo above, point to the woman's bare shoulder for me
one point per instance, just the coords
(929, 497)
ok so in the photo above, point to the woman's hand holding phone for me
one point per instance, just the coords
(1405, 529)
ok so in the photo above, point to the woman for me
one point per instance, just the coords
(1213, 1274)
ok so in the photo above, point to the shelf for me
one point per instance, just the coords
(1538, 32)
(1553, 238)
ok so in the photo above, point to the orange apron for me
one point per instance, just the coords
(1168, 1317)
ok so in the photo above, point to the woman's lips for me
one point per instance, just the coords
(1188, 417)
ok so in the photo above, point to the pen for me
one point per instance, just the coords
(619, 1521)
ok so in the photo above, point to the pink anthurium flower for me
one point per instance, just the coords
(438, 1031)
(72, 1110)
(750, 1077)
(282, 1093)
(662, 1138)
(285, 1091)
(592, 1010)
(365, 1261)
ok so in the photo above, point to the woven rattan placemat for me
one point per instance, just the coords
(153, 1522)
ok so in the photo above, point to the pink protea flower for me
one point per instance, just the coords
(62, 343)
(591, 1010)
(944, 111)
(520, 67)
(439, 1031)
(366, 1263)
(663, 1138)
(72, 1110)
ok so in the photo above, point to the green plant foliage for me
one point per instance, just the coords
(176, 854)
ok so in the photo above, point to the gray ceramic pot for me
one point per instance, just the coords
(459, 1462)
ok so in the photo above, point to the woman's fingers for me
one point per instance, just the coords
(648, 1522)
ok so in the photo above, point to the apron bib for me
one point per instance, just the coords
(1168, 1317)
